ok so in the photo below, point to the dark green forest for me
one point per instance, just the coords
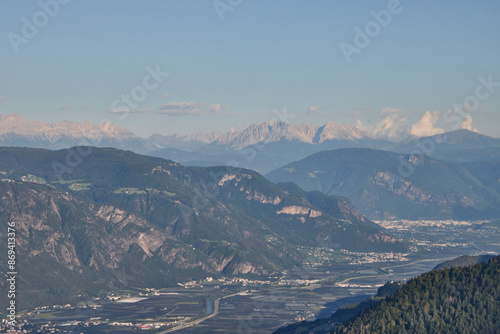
(454, 300)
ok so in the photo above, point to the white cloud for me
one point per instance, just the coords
(132, 111)
(165, 96)
(425, 125)
(391, 126)
(359, 110)
(191, 108)
(467, 124)
(314, 109)
(179, 109)
(389, 111)
(3, 98)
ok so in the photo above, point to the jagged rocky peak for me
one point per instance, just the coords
(331, 131)
(15, 130)
(278, 131)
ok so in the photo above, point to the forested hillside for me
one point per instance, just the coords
(454, 300)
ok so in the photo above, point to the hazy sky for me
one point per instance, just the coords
(387, 66)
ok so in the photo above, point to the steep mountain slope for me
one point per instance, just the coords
(68, 247)
(488, 172)
(334, 205)
(158, 191)
(148, 186)
(390, 185)
(99, 210)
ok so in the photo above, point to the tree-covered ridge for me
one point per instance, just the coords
(464, 261)
(454, 300)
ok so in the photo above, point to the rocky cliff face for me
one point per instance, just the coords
(76, 238)
(81, 241)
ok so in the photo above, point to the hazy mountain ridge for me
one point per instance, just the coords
(61, 134)
(372, 179)
(18, 125)
(459, 145)
(268, 146)
(261, 147)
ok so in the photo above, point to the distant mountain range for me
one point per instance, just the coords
(16, 131)
(15, 127)
(254, 147)
(86, 213)
(459, 180)
(261, 147)
(389, 185)
(266, 147)
(459, 145)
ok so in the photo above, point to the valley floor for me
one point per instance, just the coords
(329, 279)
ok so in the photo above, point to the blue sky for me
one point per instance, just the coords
(230, 63)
